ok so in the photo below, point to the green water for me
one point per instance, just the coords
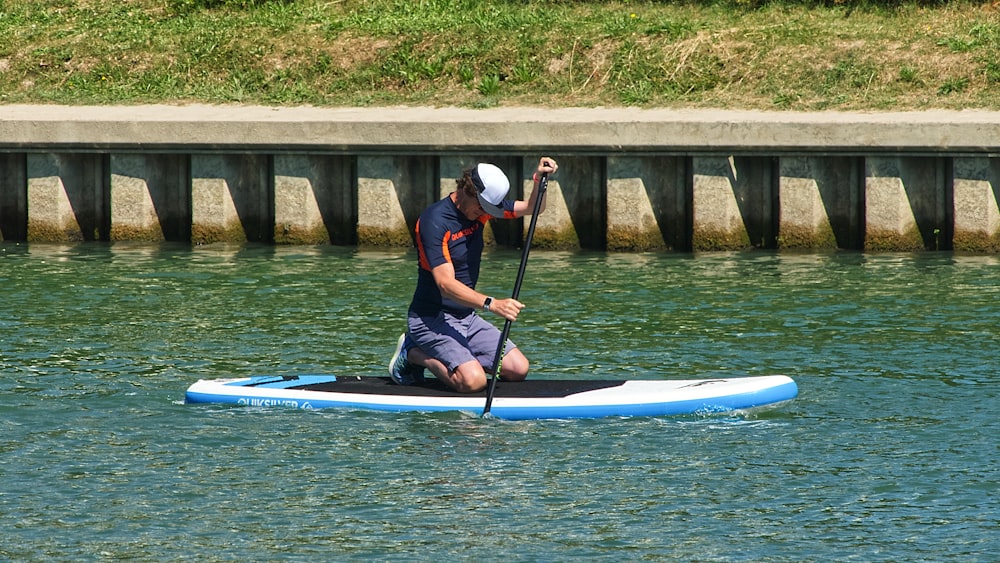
(890, 453)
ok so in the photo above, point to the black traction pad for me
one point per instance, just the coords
(530, 388)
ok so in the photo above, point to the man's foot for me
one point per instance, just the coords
(401, 371)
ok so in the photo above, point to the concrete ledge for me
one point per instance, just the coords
(629, 179)
(494, 131)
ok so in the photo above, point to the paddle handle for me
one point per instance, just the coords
(543, 184)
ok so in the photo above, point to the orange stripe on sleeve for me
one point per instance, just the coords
(420, 249)
(444, 246)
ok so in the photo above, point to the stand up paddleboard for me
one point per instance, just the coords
(530, 399)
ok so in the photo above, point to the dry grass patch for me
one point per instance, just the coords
(588, 53)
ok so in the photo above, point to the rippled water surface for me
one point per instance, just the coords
(890, 453)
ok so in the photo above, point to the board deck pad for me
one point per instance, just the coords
(434, 388)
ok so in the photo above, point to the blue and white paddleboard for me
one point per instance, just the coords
(530, 399)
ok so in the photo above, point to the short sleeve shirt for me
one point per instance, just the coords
(444, 234)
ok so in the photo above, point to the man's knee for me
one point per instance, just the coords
(515, 366)
(469, 378)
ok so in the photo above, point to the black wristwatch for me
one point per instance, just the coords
(487, 303)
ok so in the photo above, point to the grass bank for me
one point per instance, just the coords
(784, 55)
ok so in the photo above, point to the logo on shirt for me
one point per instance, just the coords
(466, 232)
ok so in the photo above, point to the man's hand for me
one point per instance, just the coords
(547, 165)
(506, 308)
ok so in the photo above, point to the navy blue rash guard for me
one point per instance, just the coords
(444, 234)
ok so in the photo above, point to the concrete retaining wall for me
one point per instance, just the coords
(632, 180)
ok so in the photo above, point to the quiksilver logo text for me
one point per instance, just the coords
(259, 402)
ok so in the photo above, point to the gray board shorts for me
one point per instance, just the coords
(456, 340)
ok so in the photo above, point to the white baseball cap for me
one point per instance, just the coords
(492, 185)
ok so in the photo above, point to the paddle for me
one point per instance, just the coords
(543, 183)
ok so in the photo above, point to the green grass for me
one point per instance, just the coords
(805, 56)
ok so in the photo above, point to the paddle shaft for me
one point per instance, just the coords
(543, 183)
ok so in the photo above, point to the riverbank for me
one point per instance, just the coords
(630, 179)
(782, 56)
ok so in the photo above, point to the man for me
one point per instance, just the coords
(444, 332)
